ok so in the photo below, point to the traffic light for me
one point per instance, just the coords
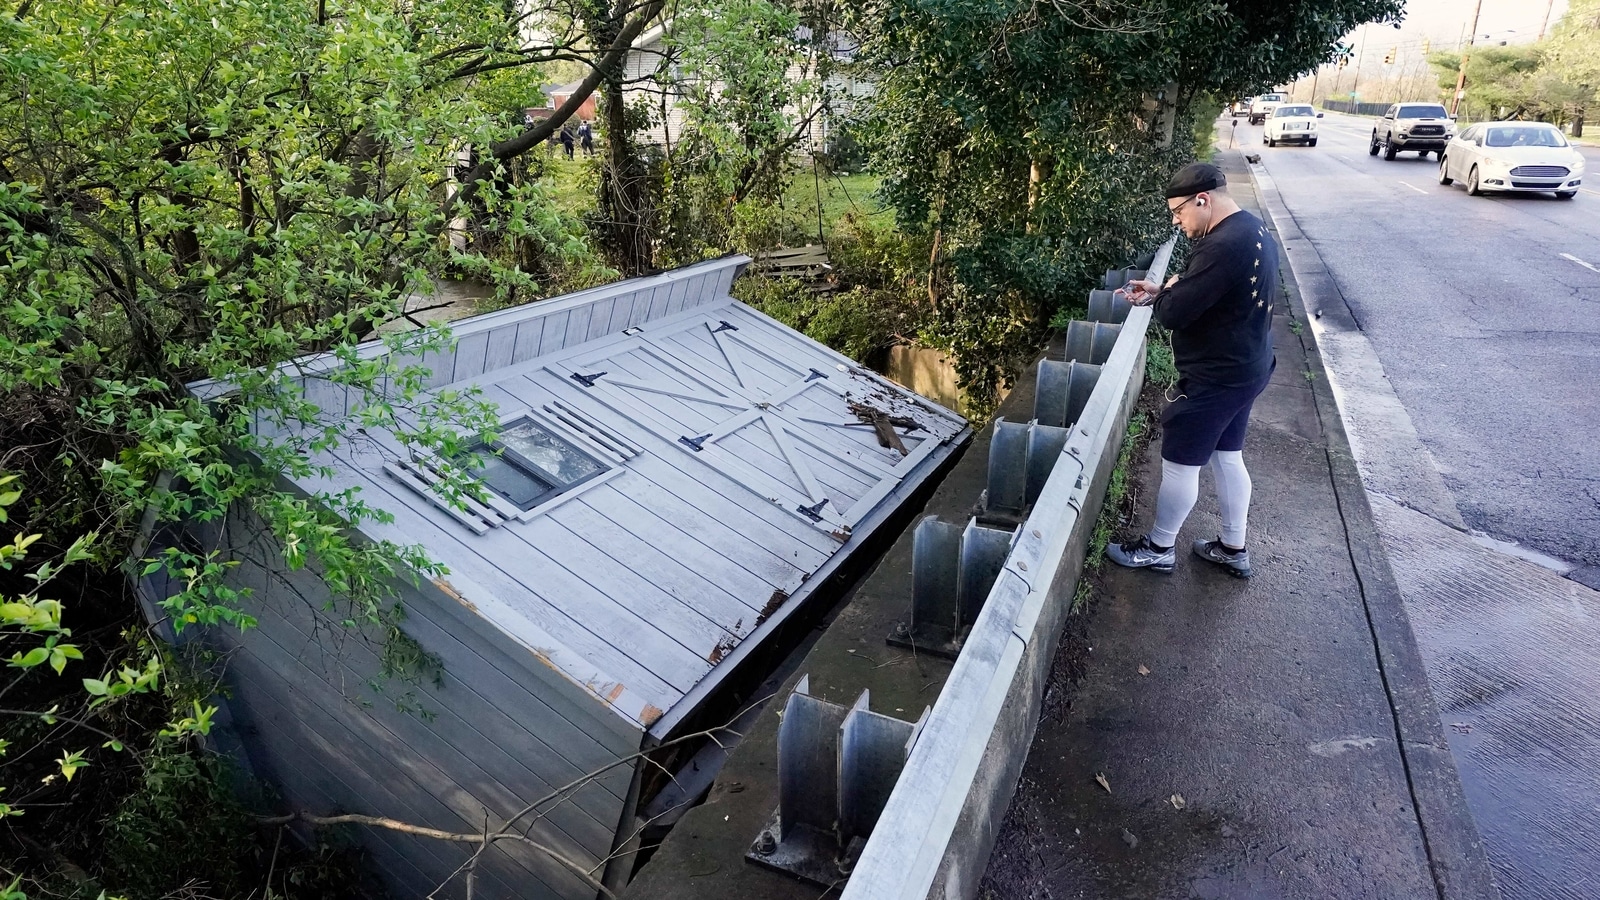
(1388, 58)
(1343, 60)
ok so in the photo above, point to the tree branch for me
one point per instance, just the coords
(539, 133)
(457, 837)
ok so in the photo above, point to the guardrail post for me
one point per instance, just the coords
(872, 750)
(1063, 389)
(1091, 342)
(1008, 468)
(983, 555)
(1116, 278)
(837, 766)
(952, 571)
(1045, 444)
(1108, 306)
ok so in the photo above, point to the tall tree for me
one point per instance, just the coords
(1573, 57)
(1028, 136)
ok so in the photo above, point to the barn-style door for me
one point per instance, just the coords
(773, 414)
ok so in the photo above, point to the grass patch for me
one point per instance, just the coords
(1159, 368)
(840, 194)
(572, 182)
(1116, 492)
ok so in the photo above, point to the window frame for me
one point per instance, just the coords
(528, 468)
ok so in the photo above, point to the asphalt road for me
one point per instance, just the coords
(1485, 313)
(1458, 335)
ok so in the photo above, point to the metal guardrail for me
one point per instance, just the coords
(938, 826)
(1358, 109)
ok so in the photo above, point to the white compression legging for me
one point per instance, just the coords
(1180, 488)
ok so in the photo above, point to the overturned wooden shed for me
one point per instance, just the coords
(679, 474)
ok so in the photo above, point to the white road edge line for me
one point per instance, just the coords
(1580, 262)
(1413, 187)
(1587, 191)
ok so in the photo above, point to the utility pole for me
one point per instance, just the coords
(1461, 77)
(1548, 7)
(1360, 54)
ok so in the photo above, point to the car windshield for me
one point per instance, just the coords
(1423, 111)
(1272, 98)
(1523, 136)
(1285, 111)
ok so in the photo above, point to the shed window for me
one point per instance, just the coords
(529, 465)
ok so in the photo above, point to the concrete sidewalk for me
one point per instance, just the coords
(1269, 738)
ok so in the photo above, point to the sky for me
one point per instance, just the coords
(1443, 23)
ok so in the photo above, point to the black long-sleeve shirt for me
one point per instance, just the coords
(1220, 310)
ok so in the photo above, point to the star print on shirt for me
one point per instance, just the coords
(1258, 243)
(1252, 279)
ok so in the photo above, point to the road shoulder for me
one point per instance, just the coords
(1456, 854)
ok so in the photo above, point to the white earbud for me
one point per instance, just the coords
(1200, 202)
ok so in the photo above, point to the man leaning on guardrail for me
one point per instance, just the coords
(1220, 314)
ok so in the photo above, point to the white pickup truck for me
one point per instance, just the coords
(1262, 106)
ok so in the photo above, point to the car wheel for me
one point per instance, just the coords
(1566, 195)
(1372, 148)
(1472, 183)
(1423, 154)
(1444, 171)
(1389, 149)
(1313, 142)
(1271, 142)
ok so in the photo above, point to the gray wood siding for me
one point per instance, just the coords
(491, 740)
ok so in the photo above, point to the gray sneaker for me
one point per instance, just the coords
(1141, 554)
(1237, 564)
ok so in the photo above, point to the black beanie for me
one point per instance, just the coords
(1194, 178)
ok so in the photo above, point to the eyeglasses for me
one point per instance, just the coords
(1174, 210)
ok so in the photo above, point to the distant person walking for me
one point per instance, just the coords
(586, 137)
(1220, 312)
(566, 140)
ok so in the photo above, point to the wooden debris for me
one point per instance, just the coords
(884, 424)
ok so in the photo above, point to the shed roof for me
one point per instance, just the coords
(736, 468)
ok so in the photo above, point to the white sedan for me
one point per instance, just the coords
(1291, 122)
(1513, 156)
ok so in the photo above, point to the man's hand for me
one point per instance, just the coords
(1139, 293)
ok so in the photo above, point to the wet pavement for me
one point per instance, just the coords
(1269, 738)
(1512, 649)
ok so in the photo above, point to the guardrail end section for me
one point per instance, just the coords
(837, 766)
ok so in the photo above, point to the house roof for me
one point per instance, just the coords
(736, 469)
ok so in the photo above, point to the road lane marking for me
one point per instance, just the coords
(1413, 187)
(1580, 262)
(1587, 191)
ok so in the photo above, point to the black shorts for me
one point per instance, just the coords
(1206, 418)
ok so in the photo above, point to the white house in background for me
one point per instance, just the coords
(843, 90)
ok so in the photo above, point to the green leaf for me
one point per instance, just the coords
(30, 659)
